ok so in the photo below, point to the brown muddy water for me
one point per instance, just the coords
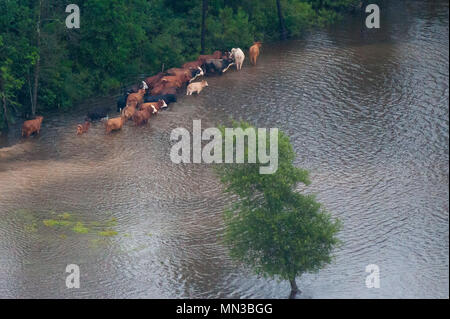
(367, 113)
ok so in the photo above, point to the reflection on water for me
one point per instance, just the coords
(367, 113)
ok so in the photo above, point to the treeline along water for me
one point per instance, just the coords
(45, 66)
(367, 112)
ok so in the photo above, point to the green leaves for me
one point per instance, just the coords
(120, 41)
(272, 228)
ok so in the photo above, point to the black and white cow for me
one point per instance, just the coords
(218, 66)
(168, 98)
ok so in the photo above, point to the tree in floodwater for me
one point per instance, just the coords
(274, 229)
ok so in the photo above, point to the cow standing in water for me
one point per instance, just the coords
(218, 66)
(114, 124)
(238, 56)
(141, 117)
(216, 55)
(254, 52)
(83, 128)
(196, 87)
(32, 126)
(137, 98)
(154, 107)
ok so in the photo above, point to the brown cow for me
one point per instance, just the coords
(173, 80)
(114, 124)
(254, 52)
(163, 87)
(151, 81)
(136, 98)
(129, 111)
(192, 65)
(154, 107)
(141, 117)
(168, 90)
(165, 83)
(83, 128)
(204, 57)
(32, 126)
(183, 75)
(177, 71)
(186, 75)
(150, 108)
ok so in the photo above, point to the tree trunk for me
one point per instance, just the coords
(38, 62)
(294, 289)
(5, 115)
(204, 12)
(283, 31)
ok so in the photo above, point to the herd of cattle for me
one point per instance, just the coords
(145, 100)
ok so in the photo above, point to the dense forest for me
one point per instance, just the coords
(44, 65)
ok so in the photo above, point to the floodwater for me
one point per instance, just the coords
(367, 113)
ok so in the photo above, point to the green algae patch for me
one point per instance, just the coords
(80, 228)
(65, 225)
(112, 222)
(31, 228)
(55, 222)
(68, 223)
(65, 215)
(108, 233)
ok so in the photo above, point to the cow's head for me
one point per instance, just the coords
(196, 73)
(226, 55)
(39, 118)
(200, 71)
(227, 63)
(258, 44)
(204, 83)
(162, 104)
(79, 129)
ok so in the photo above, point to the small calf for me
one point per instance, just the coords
(196, 87)
(83, 128)
(114, 124)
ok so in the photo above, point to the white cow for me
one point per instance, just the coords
(238, 56)
(196, 87)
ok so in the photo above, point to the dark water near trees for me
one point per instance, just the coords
(367, 113)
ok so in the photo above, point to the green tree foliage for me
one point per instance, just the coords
(273, 228)
(120, 41)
